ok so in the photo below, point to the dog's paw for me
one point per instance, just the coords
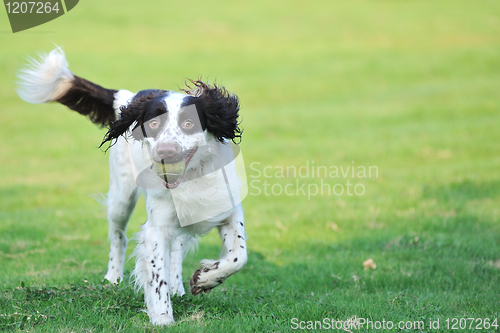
(162, 319)
(206, 277)
(113, 277)
(178, 289)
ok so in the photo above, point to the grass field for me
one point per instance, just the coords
(409, 87)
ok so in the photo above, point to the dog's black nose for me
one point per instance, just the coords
(167, 150)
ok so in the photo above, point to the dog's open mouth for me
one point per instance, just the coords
(173, 173)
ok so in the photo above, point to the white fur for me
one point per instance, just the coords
(45, 80)
(162, 241)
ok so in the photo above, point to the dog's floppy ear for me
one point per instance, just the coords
(219, 108)
(130, 114)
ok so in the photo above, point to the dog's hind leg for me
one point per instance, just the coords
(233, 256)
(122, 198)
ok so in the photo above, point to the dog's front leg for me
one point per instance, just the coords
(233, 256)
(156, 279)
(157, 237)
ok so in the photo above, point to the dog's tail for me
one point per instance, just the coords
(48, 79)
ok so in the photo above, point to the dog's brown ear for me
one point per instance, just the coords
(219, 108)
(130, 114)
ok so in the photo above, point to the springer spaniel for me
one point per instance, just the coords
(177, 149)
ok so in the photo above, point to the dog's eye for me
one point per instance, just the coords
(154, 123)
(188, 123)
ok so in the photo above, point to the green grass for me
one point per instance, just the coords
(410, 87)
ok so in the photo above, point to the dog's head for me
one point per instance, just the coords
(175, 125)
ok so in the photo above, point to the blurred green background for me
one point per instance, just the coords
(411, 87)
